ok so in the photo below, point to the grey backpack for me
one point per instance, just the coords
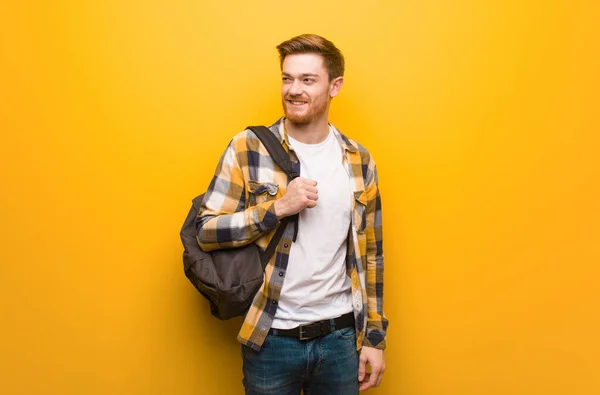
(230, 278)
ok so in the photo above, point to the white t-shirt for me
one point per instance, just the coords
(316, 285)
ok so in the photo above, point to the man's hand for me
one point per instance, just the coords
(301, 193)
(374, 358)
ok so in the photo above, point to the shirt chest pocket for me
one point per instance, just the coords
(260, 192)
(360, 211)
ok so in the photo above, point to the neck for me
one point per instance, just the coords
(311, 133)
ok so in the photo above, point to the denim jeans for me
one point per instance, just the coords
(326, 365)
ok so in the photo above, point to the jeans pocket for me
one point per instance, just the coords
(251, 354)
(348, 333)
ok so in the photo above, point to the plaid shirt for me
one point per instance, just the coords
(238, 209)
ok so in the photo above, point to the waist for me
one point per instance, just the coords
(316, 329)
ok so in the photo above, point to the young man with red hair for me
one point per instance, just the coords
(318, 321)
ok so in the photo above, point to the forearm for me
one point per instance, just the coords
(224, 219)
(376, 321)
(218, 230)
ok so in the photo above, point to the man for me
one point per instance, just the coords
(322, 298)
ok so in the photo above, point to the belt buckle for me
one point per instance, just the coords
(310, 331)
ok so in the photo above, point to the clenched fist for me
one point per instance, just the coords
(301, 193)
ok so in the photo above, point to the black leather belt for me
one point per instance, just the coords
(316, 329)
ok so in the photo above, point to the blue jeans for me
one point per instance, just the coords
(326, 365)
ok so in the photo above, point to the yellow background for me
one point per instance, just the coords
(483, 117)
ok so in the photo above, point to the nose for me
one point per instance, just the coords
(295, 88)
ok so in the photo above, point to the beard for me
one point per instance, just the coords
(315, 110)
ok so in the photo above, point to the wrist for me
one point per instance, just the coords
(279, 208)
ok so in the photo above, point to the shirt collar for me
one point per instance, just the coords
(345, 143)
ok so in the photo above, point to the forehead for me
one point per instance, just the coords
(303, 63)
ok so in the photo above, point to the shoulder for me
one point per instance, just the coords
(355, 148)
(247, 140)
(359, 157)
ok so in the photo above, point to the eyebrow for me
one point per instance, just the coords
(302, 75)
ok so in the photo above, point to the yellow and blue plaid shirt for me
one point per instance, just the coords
(238, 208)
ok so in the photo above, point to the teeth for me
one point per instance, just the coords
(297, 102)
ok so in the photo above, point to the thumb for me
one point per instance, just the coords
(361, 368)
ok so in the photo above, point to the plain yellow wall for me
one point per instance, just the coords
(483, 117)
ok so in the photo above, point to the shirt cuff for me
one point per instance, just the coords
(375, 338)
(265, 217)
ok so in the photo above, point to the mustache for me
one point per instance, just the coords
(296, 98)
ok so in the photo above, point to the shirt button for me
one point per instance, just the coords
(280, 274)
(274, 302)
(285, 245)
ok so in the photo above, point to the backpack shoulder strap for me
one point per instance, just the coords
(279, 155)
(282, 158)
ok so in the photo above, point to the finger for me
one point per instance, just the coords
(310, 189)
(312, 196)
(311, 204)
(299, 181)
(373, 379)
(365, 385)
(362, 370)
(308, 181)
(380, 375)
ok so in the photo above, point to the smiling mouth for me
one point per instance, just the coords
(296, 103)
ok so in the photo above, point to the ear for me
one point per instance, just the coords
(335, 85)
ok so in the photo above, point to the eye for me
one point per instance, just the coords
(309, 80)
(286, 79)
